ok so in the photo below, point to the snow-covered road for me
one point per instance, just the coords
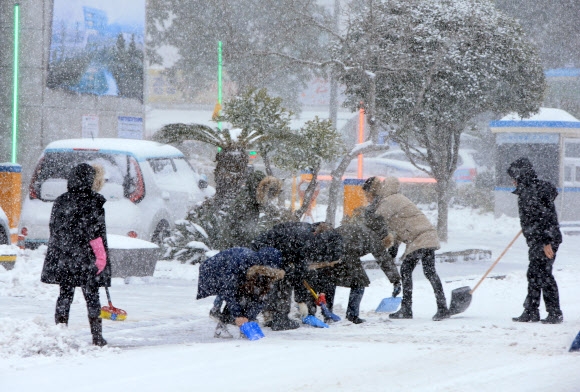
(167, 341)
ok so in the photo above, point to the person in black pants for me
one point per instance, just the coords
(301, 244)
(411, 227)
(541, 229)
(358, 240)
(77, 248)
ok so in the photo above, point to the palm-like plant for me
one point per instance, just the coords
(231, 159)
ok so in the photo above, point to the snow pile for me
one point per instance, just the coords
(24, 279)
(176, 270)
(27, 338)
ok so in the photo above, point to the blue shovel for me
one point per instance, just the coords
(575, 344)
(252, 330)
(389, 305)
(320, 300)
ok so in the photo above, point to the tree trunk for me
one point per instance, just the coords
(230, 173)
(309, 193)
(442, 208)
(267, 164)
(336, 182)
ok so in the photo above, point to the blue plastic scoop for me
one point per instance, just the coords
(389, 305)
(252, 330)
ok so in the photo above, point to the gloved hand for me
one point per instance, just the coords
(99, 251)
(396, 289)
(388, 241)
(303, 310)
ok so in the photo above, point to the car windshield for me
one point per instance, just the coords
(55, 166)
(173, 173)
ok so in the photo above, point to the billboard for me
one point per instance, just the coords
(97, 47)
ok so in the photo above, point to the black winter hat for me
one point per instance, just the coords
(368, 184)
(80, 178)
(521, 170)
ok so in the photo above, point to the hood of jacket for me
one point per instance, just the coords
(390, 186)
(270, 257)
(81, 178)
(522, 171)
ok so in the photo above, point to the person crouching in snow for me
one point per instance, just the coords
(242, 278)
(541, 229)
(303, 245)
(358, 240)
(411, 227)
(77, 248)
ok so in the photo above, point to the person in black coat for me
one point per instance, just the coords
(77, 248)
(359, 240)
(242, 278)
(301, 244)
(541, 229)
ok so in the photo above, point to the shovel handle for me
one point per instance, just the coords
(108, 296)
(496, 261)
(311, 290)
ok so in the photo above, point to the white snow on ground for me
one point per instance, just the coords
(167, 344)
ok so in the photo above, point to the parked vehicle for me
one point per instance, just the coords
(4, 228)
(395, 163)
(148, 186)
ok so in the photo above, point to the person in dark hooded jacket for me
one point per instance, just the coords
(358, 240)
(242, 278)
(541, 229)
(77, 248)
(302, 245)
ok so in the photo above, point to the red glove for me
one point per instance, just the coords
(99, 251)
(321, 299)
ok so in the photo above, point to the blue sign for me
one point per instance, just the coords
(527, 138)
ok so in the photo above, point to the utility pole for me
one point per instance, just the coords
(333, 101)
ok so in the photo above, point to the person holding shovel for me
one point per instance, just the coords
(358, 240)
(411, 227)
(541, 229)
(77, 248)
(304, 247)
(242, 278)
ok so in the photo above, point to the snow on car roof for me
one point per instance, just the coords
(140, 149)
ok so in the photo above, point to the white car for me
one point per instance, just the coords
(395, 163)
(148, 186)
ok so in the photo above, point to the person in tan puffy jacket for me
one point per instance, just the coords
(409, 226)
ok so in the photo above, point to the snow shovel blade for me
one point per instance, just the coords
(389, 305)
(460, 300)
(575, 344)
(313, 321)
(110, 312)
(327, 313)
(252, 330)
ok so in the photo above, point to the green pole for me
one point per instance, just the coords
(220, 78)
(15, 81)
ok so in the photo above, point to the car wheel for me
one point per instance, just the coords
(161, 233)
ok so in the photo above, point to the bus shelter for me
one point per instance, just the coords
(550, 139)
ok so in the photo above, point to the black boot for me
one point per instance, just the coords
(528, 316)
(404, 313)
(355, 319)
(555, 317)
(442, 313)
(97, 331)
(61, 319)
(281, 322)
